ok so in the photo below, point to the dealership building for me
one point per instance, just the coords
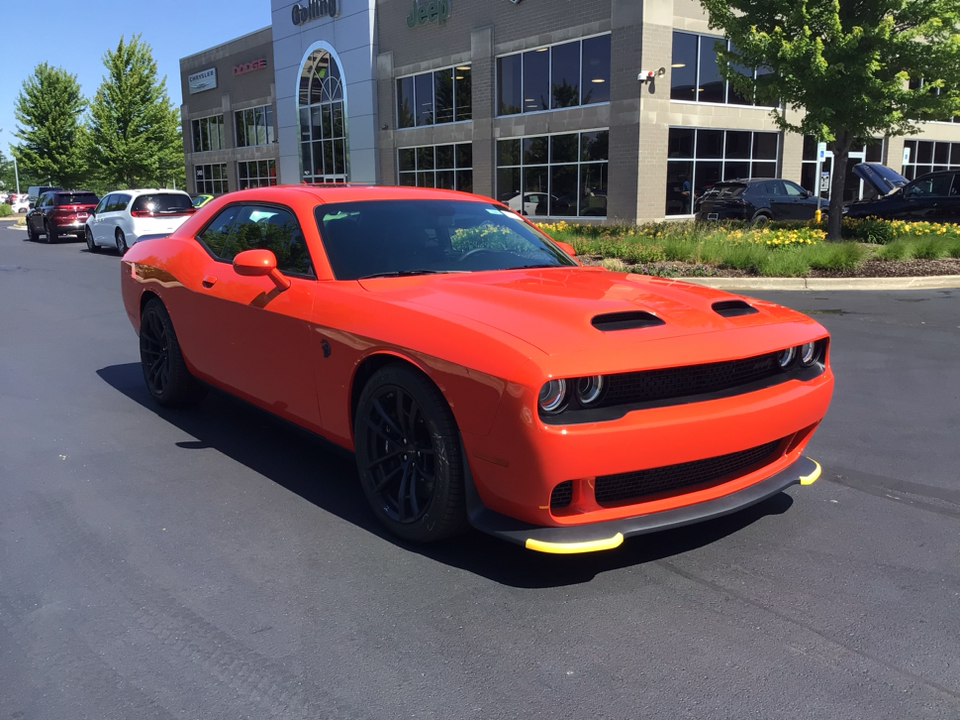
(594, 109)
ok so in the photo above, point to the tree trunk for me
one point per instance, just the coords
(841, 154)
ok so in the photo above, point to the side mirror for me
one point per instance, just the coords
(567, 248)
(91, 213)
(30, 206)
(257, 263)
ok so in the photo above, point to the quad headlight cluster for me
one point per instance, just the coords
(806, 355)
(556, 394)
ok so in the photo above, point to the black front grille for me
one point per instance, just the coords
(632, 486)
(679, 382)
(562, 495)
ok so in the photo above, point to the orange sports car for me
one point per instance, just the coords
(479, 373)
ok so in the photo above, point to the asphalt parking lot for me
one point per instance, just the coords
(216, 563)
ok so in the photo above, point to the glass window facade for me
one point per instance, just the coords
(211, 179)
(208, 134)
(256, 173)
(562, 175)
(695, 75)
(930, 155)
(435, 98)
(438, 166)
(697, 158)
(548, 78)
(323, 122)
(254, 126)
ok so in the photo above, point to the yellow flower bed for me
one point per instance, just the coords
(782, 237)
(902, 228)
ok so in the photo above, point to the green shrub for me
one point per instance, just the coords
(953, 248)
(929, 248)
(787, 263)
(897, 250)
(836, 256)
(637, 252)
(6, 210)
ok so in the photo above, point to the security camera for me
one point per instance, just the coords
(651, 75)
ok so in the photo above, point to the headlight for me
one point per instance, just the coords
(552, 395)
(589, 389)
(785, 357)
(808, 354)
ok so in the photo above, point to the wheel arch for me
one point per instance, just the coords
(366, 370)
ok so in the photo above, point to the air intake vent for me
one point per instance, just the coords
(626, 321)
(733, 308)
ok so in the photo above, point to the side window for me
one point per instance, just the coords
(120, 201)
(793, 189)
(104, 204)
(940, 184)
(215, 235)
(268, 227)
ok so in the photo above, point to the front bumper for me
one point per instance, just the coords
(608, 535)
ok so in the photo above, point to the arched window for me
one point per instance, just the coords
(323, 122)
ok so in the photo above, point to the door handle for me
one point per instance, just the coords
(209, 281)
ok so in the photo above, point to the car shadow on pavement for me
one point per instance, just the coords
(288, 455)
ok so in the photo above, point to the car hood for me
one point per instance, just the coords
(880, 177)
(563, 310)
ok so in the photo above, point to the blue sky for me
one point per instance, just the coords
(76, 36)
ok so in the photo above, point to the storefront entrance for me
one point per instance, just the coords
(323, 123)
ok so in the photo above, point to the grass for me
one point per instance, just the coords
(784, 249)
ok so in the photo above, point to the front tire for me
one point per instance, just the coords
(165, 372)
(32, 234)
(121, 242)
(409, 456)
(91, 245)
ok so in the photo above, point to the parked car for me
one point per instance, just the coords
(758, 200)
(126, 216)
(201, 199)
(479, 373)
(934, 197)
(531, 203)
(60, 212)
(20, 203)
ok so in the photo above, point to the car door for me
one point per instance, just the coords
(782, 205)
(246, 333)
(950, 208)
(925, 198)
(96, 222)
(804, 205)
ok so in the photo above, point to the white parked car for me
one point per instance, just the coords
(19, 203)
(124, 217)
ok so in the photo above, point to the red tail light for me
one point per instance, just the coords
(142, 213)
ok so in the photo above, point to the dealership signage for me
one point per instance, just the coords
(244, 68)
(315, 9)
(435, 11)
(203, 80)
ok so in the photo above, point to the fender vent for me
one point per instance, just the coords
(733, 308)
(626, 321)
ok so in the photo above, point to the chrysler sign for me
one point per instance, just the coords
(203, 80)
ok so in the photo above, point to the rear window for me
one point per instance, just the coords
(728, 191)
(77, 199)
(162, 203)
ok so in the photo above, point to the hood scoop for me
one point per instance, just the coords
(629, 320)
(733, 308)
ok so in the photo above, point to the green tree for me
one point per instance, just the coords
(52, 137)
(134, 127)
(854, 68)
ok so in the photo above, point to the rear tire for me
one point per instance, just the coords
(761, 219)
(91, 245)
(165, 372)
(409, 456)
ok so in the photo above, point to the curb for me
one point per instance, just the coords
(933, 282)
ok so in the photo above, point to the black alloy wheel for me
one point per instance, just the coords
(121, 242)
(164, 370)
(91, 245)
(409, 456)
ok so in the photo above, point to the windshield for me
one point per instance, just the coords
(403, 237)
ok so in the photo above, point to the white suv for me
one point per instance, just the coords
(125, 216)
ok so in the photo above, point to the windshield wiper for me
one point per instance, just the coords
(408, 273)
(544, 265)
